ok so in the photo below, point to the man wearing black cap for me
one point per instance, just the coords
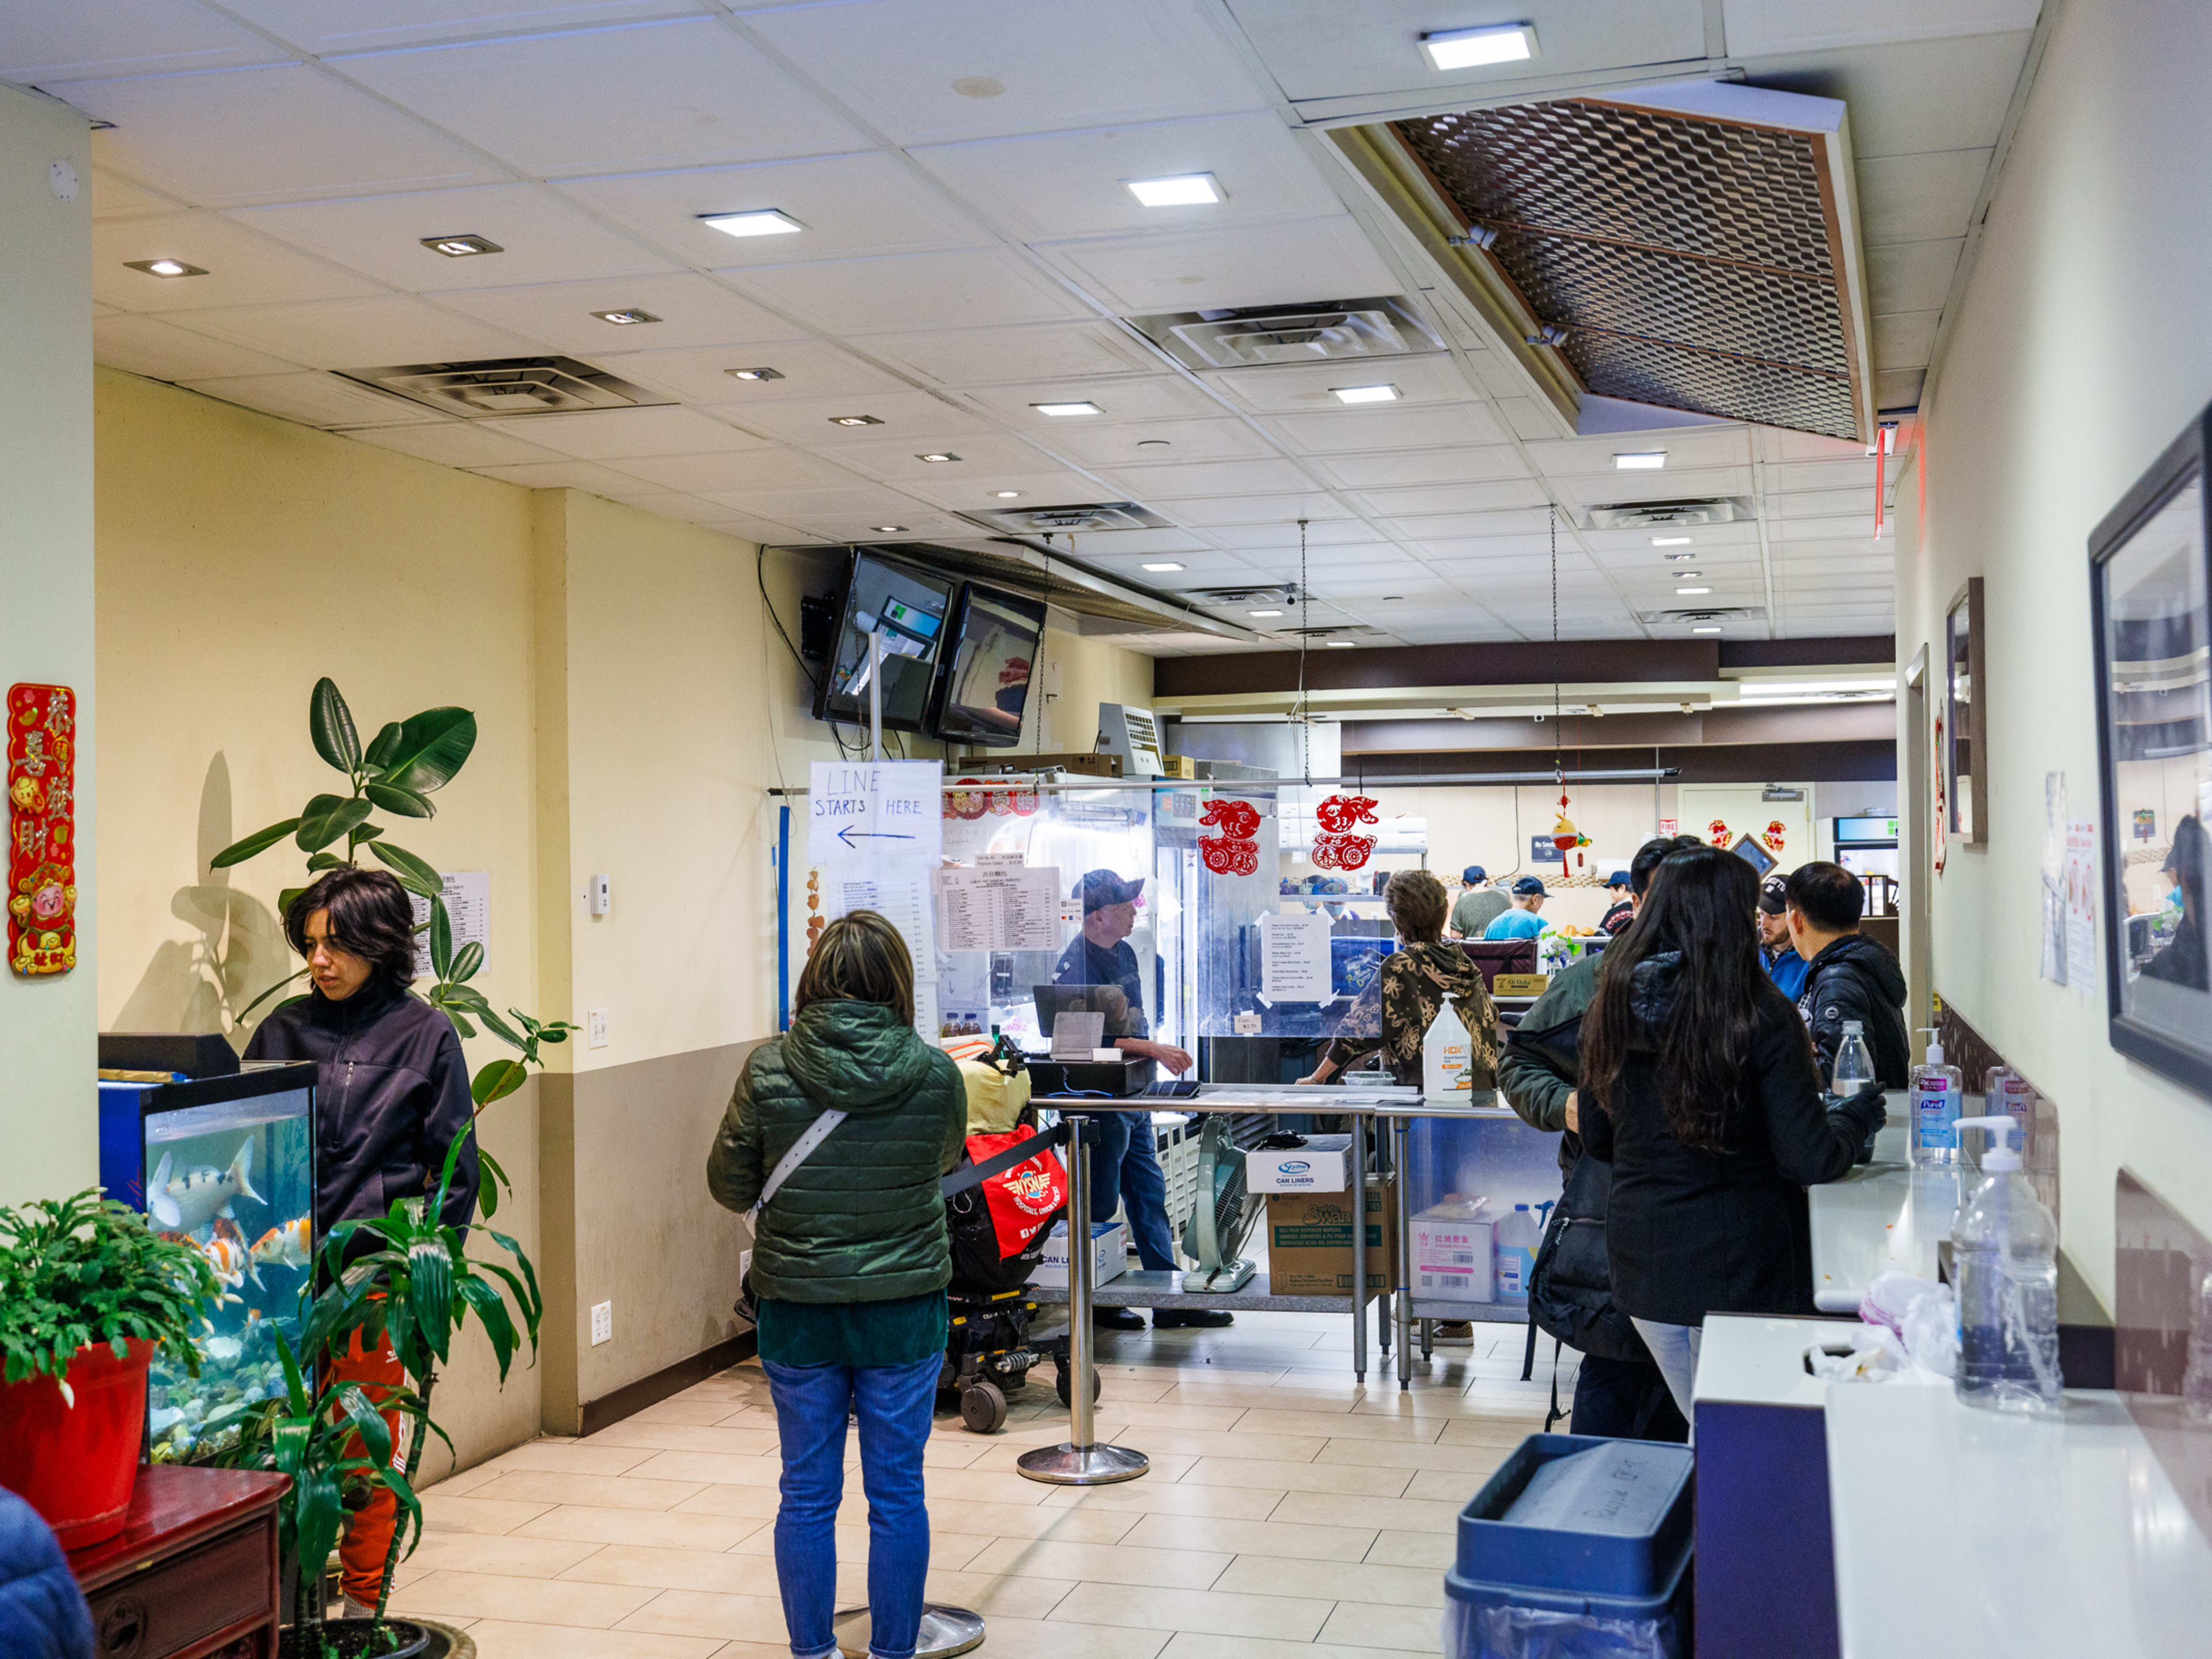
(1783, 965)
(1479, 905)
(1622, 911)
(1126, 1169)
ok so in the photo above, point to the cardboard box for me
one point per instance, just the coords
(1310, 1242)
(1453, 1260)
(1179, 766)
(1323, 1164)
(1109, 1253)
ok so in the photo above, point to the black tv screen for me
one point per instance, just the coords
(989, 659)
(906, 608)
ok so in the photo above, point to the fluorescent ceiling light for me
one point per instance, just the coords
(1068, 409)
(1165, 564)
(164, 267)
(1263, 613)
(1642, 460)
(755, 373)
(461, 247)
(766, 222)
(937, 455)
(1007, 494)
(1458, 49)
(1365, 394)
(1184, 189)
(855, 420)
(1670, 541)
(1705, 630)
(1752, 690)
(1338, 645)
(1693, 589)
(624, 319)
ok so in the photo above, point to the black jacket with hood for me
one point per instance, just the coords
(1692, 1232)
(1855, 978)
(393, 1094)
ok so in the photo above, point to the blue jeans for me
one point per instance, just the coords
(894, 1404)
(1126, 1169)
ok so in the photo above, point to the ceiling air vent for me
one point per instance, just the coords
(1754, 613)
(1065, 520)
(1281, 593)
(508, 385)
(1640, 515)
(1326, 330)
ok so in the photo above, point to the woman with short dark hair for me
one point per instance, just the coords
(1394, 1013)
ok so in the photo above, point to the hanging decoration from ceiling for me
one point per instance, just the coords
(41, 830)
(1564, 836)
(1337, 845)
(1236, 850)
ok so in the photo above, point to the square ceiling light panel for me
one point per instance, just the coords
(1480, 48)
(1150, 398)
(240, 268)
(1288, 389)
(1247, 265)
(692, 311)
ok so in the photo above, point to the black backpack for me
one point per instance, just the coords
(1571, 1287)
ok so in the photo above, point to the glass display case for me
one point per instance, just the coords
(226, 1164)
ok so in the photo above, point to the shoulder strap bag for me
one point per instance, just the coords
(809, 1140)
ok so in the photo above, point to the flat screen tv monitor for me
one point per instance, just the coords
(906, 608)
(988, 659)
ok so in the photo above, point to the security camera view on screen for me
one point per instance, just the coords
(986, 678)
(905, 609)
(2161, 734)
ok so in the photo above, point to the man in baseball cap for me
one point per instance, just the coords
(1479, 903)
(1521, 921)
(1783, 965)
(1620, 910)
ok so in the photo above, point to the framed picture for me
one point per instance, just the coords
(1966, 715)
(2148, 598)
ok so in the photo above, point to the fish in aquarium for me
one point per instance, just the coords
(286, 1246)
(227, 1255)
(185, 1203)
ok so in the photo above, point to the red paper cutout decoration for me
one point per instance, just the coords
(1774, 836)
(1718, 830)
(1236, 850)
(41, 829)
(1335, 847)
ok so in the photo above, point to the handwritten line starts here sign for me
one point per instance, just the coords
(874, 812)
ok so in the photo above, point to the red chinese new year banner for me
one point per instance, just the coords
(41, 829)
(1335, 846)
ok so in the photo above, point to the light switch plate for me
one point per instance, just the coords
(595, 1028)
(603, 1322)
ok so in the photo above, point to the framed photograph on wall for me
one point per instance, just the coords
(1966, 719)
(2149, 596)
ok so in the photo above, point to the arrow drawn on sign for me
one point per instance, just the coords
(849, 833)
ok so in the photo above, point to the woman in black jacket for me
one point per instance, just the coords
(1710, 1113)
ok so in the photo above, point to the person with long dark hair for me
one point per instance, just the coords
(1700, 1090)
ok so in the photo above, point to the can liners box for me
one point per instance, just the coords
(1323, 1164)
(1109, 1253)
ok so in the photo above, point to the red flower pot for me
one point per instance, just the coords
(77, 1464)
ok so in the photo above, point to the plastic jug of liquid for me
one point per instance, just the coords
(1938, 1091)
(1517, 1236)
(1854, 1071)
(2004, 1266)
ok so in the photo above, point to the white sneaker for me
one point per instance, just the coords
(350, 1608)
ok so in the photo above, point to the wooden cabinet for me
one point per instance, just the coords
(193, 1573)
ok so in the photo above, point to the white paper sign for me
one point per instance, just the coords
(2054, 876)
(468, 905)
(1294, 957)
(1000, 907)
(875, 810)
(2081, 905)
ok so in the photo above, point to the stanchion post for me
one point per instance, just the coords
(1402, 1300)
(1359, 1246)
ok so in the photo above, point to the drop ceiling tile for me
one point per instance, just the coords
(358, 333)
(1905, 339)
(1919, 199)
(976, 494)
(1092, 444)
(1048, 185)
(1449, 526)
(690, 509)
(914, 290)
(317, 27)
(315, 400)
(1117, 548)
(1394, 502)
(1147, 398)
(1594, 457)
(454, 443)
(613, 434)
(931, 70)
(712, 98)
(1808, 446)
(564, 475)
(1287, 389)
(117, 197)
(1898, 388)
(1209, 478)
(693, 310)
(242, 269)
(916, 419)
(1422, 466)
(1911, 275)
(763, 468)
(232, 137)
(1789, 477)
(759, 531)
(1285, 508)
(1757, 28)
(866, 525)
(803, 508)
(542, 238)
(1826, 503)
(1324, 534)
(987, 356)
(701, 374)
(869, 204)
(47, 44)
(1531, 550)
(161, 351)
(1530, 419)
(1311, 259)
(1830, 525)
(982, 455)
(1349, 431)
(1584, 489)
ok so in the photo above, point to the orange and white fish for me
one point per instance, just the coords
(229, 1260)
(287, 1246)
(186, 1203)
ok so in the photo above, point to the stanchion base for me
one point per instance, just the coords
(1070, 1465)
(945, 1631)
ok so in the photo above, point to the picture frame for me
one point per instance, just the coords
(2150, 586)
(1965, 717)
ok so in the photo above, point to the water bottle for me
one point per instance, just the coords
(2004, 1266)
(2196, 1380)
(1854, 1071)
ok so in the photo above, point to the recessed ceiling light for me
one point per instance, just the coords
(1184, 189)
(1263, 613)
(889, 529)
(1457, 49)
(1365, 394)
(1705, 630)
(1670, 541)
(165, 267)
(1068, 409)
(1164, 564)
(1338, 645)
(766, 222)
(1641, 460)
(1007, 494)
(855, 420)
(1693, 589)
(624, 319)
(937, 455)
(754, 373)
(460, 247)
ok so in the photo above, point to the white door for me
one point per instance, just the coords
(1726, 812)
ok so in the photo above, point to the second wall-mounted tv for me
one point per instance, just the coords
(988, 660)
(906, 608)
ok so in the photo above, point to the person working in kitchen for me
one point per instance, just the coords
(1621, 906)
(1521, 920)
(1479, 903)
(2182, 960)
(1783, 965)
(1126, 1168)
(391, 1095)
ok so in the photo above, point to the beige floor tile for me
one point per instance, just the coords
(523, 1601)
(1296, 1477)
(703, 1612)
(461, 1482)
(1178, 1414)
(1150, 1497)
(1240, 1391)
(1084, 1526)
(653, 1530)
(1441, 1400)
(1340, 1580)
(499, 1638)
(1104, 1564)
(475, 1514)
(570, 1457)
(994, 1593)
(514, 1554)
(1478, 1459)
(1343, 1510)
(1349, 1425)
(731, 1439)
(720, 1572)
(948, 1549)
(1066, 1639)
(1189, 1645)
(711, 1469)
(1211, 1612)
(990, 1486)
(944, 1452)
(608, 1491)
(753, 1650)
(1222, 1442)
(1273, 1538)
(1449, 1486)
(1409, 1630)
(1489, 1429)
(758, 1501)
(680, 1410)
(1433, 1550)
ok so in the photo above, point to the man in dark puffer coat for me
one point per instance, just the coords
(42, 1612)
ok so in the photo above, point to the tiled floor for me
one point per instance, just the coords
(1289, 1514)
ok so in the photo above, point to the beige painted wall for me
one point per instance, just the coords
(2054, 396)
(49, 1136)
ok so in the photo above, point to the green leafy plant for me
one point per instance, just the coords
(83, 1269)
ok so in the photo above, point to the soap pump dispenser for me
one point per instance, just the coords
(1938, 1093)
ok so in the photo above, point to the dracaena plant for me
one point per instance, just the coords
(405, 765)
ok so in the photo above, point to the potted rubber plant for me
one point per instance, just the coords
(87, 1292)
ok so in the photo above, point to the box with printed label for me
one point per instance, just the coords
(1310, 1242)
(1109, 1253)
(1323, 1164)
(1452, 1260)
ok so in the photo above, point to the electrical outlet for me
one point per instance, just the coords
(745, 1263)
(595, 1028)
(603, 1322)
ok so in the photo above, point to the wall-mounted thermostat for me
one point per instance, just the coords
(602, 894)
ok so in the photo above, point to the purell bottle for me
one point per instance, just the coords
(2005, 1090)
(1937, 1095)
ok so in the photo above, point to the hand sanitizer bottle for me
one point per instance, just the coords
(2004, 1264)
(1937, 1094)
(2005, 1091)
(1854, 1071)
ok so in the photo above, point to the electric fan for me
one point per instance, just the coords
(1224, 1216)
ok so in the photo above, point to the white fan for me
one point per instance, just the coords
(1224, 1216)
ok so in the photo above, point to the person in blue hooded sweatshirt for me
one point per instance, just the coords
(42, 1612)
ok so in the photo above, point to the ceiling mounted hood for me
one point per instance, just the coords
(500, 387)
(1692, 246)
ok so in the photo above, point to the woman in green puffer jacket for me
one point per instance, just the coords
(850, 1262)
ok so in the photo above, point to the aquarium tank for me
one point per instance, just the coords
(227, 1165)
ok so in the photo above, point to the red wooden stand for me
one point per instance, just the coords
(193, 1573)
